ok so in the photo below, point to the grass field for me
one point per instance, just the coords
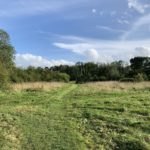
(96, 116)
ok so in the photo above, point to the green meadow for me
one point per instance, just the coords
(93, 116)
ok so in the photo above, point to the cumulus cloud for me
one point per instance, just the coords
(139, 7)
(142, 51)
(25, 60)
(92, 51)
(91, 54)
(81, 49)
(105, 50)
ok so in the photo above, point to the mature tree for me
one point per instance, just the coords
(6, 51)
(140, 65)
(6, 58)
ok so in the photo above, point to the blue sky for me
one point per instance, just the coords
(53, 32)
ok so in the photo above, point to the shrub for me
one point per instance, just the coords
(62, 77)
(126, 144)
(87, 114)
(140, 77)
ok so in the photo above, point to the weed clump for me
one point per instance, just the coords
(87, 114)
(33, 90)
(126, 144)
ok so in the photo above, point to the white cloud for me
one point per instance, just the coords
(107, 51)
(142, 51)
(80, 49)
(25, 60)
(92, 54)
(139, 7)
(109, 29)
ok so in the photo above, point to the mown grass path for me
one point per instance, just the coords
(37, 120)
(75, 117)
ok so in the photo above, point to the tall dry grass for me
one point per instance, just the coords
(92, 86)
(114, 85)
(45, 86)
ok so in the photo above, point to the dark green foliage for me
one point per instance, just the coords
(125, 144)
(140, 65)
(32, 74)
(86, 72)
(139, 70)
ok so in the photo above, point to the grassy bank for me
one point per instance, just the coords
(105, 115)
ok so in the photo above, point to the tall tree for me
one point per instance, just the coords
(6, 51)
(6, 58)
(140, 64)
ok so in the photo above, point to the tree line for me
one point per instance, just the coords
(137, 70)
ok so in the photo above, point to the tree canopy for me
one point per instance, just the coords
(6, 50)
(6, 58)
(4, 37)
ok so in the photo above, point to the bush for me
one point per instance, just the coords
(63, 77)
(126, 144)
(140, 77)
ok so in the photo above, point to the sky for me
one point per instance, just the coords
(54, 32)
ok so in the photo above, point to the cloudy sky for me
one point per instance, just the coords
(53, 32)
